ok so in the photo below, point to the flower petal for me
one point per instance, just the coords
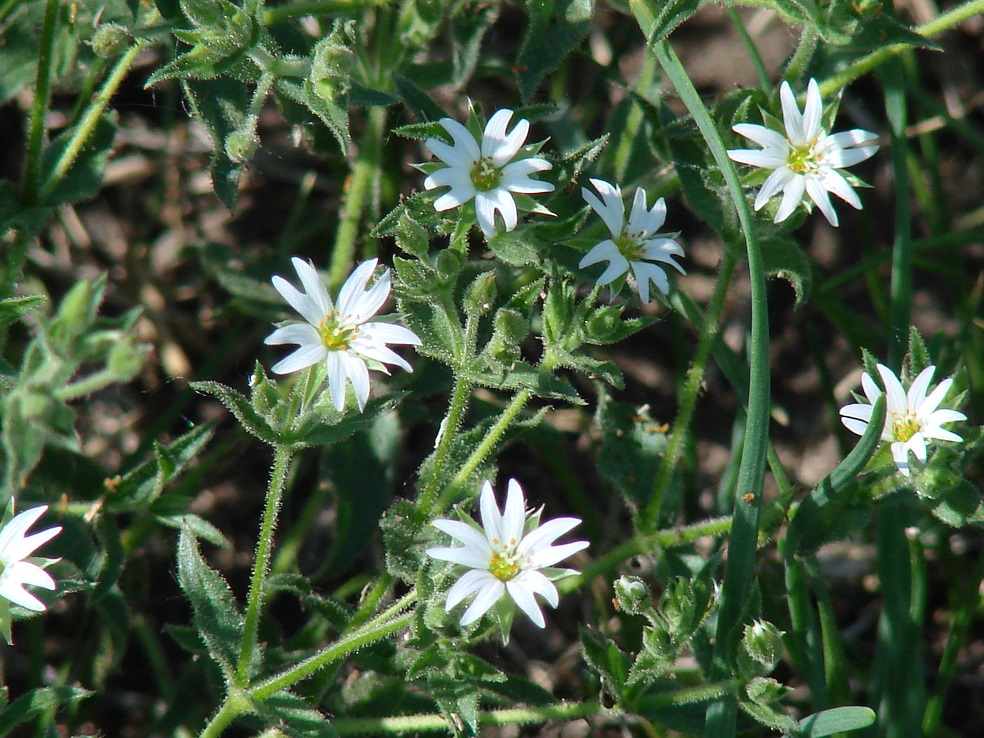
(514, 516)
(791, 116)
(302, 334)
(522, 595)
(302, 358)
(313, 286)
(818, 193)
(792, 196)
(303, 304)
(487, 596)
(610, 207)
(772, 141)
(470, 582)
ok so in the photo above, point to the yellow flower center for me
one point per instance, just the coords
(629, 245)
(334, 335)
(505, 564)
(804, 159)
(904, 426)
(484, 175)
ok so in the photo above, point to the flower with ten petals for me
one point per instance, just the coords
(15, 547)
(486, 171)
(634, 244)
(340, 334)
(510, 553)
(806, 159)
(910, 418)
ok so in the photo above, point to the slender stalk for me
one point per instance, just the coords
(691, 389)
(760, 71)
(801, 57)
(643, 545)
(483, 449)
(42, 93)
(235, 704)
(358, 196)
(88, 123)
(88, 385)
(343, 647)
(449, 429)
(264, 546)
(317, 7)
(435, 723)
(739, 572)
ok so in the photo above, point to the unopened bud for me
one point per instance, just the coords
(110, 40)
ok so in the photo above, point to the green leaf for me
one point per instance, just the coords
(515, 247)
(13, 309)
(556, 27)
(605, 658)
(658, 19)
(632, 447)
(217, 105)
(836, 720)
(783, 258)
(36, 703)
(361, 472)
(84, 178)
(402, 532)
(140, 486)
(422, 105)
(216, 615)
(290, 715)
(242, 408)
(198, 526)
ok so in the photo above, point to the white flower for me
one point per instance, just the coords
(910, 419)
(15, 547)
(634, 244)
(807, 159)
(340, 335)
(503, 557)
(486, 172)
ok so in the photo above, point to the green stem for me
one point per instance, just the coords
(486, 447)
(942, 22)
(235, 705)
(358, 197)
(763, 75)
(317, 7)
(278, 476)
(739, 572)
(42, 93)
(84, 387)
(370, 633)
(640, 545)
(88, 123)
(438, 724)
(622, 151)
(797, 63)
(691, 389)
(448, 430)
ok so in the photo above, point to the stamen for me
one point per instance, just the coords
(484, 175)
(629, 245)
(503, 566)
(335, 336)
(905, 426)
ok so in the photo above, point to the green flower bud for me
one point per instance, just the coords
(480, 294)
(241, 145)
(126, 359)
(761, 649)
(632, 596)
(110, 40)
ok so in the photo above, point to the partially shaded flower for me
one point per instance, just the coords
(486, 171)
(635, 243)
(806, 160)
(340, 335)
(911, 419)
(509, 554)
(15, 547)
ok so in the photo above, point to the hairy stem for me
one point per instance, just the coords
(264, 546)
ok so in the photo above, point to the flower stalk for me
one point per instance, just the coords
(264, 546)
